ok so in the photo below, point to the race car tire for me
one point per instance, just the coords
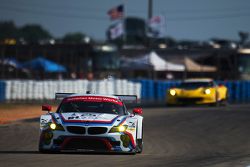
(139, 143)
(139, 146)
(224, 102)
(216, 103)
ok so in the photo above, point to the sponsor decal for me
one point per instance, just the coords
(87, 121)
(131, 125)
(93, 99)
(43, 123)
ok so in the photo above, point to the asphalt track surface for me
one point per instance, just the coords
(173, 137)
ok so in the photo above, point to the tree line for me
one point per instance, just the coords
(33, 34)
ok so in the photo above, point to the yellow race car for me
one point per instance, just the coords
(197, 91)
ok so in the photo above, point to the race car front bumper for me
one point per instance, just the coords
(203, 99)
(111, 142)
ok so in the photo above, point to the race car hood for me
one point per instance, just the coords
(187, 92)
(87, 117)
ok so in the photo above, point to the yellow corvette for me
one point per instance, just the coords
(197, 91)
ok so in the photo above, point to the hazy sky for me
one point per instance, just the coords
(185, 19)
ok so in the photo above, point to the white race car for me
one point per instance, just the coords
(91, 122)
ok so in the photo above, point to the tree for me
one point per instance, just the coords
(34, 33)
(76, 37)
(8, 30)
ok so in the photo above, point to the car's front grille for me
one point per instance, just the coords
(89, 144)
(189, 100)
(97, 130)
(76, 129)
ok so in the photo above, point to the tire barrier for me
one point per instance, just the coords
(24, 90)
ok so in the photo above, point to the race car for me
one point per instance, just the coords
(92, 122)
(197, 91)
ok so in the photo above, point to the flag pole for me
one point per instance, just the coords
(150, 14)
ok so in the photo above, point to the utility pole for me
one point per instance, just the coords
(150, 9)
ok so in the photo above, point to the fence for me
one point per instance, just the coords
(147, 90)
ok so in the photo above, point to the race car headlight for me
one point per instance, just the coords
(121, 128)
(54, 126)
(207, 91)
(172, 92)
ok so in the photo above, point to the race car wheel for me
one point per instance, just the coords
(216, 103)
(224, 102)
(139, 144)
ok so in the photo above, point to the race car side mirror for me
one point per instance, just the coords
(46, 108)
(137, 111)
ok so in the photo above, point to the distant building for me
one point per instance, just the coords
(134, 32)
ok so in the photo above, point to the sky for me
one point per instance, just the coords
(185, 19)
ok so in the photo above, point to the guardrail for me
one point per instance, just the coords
(146, 90)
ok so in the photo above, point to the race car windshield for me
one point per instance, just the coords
(195, 85)
(96, 107)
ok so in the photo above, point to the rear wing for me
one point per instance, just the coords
(60, 96)
(129, 99)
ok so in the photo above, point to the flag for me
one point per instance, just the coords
(116, 31)
(116, 12)
(156, 26)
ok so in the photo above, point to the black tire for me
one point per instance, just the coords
(139, 146)
(139, 143)
(224, 102)
(216, 103)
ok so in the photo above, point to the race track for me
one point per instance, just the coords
(173, 137)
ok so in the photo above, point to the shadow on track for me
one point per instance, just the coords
(19, 152)
(68, 153)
